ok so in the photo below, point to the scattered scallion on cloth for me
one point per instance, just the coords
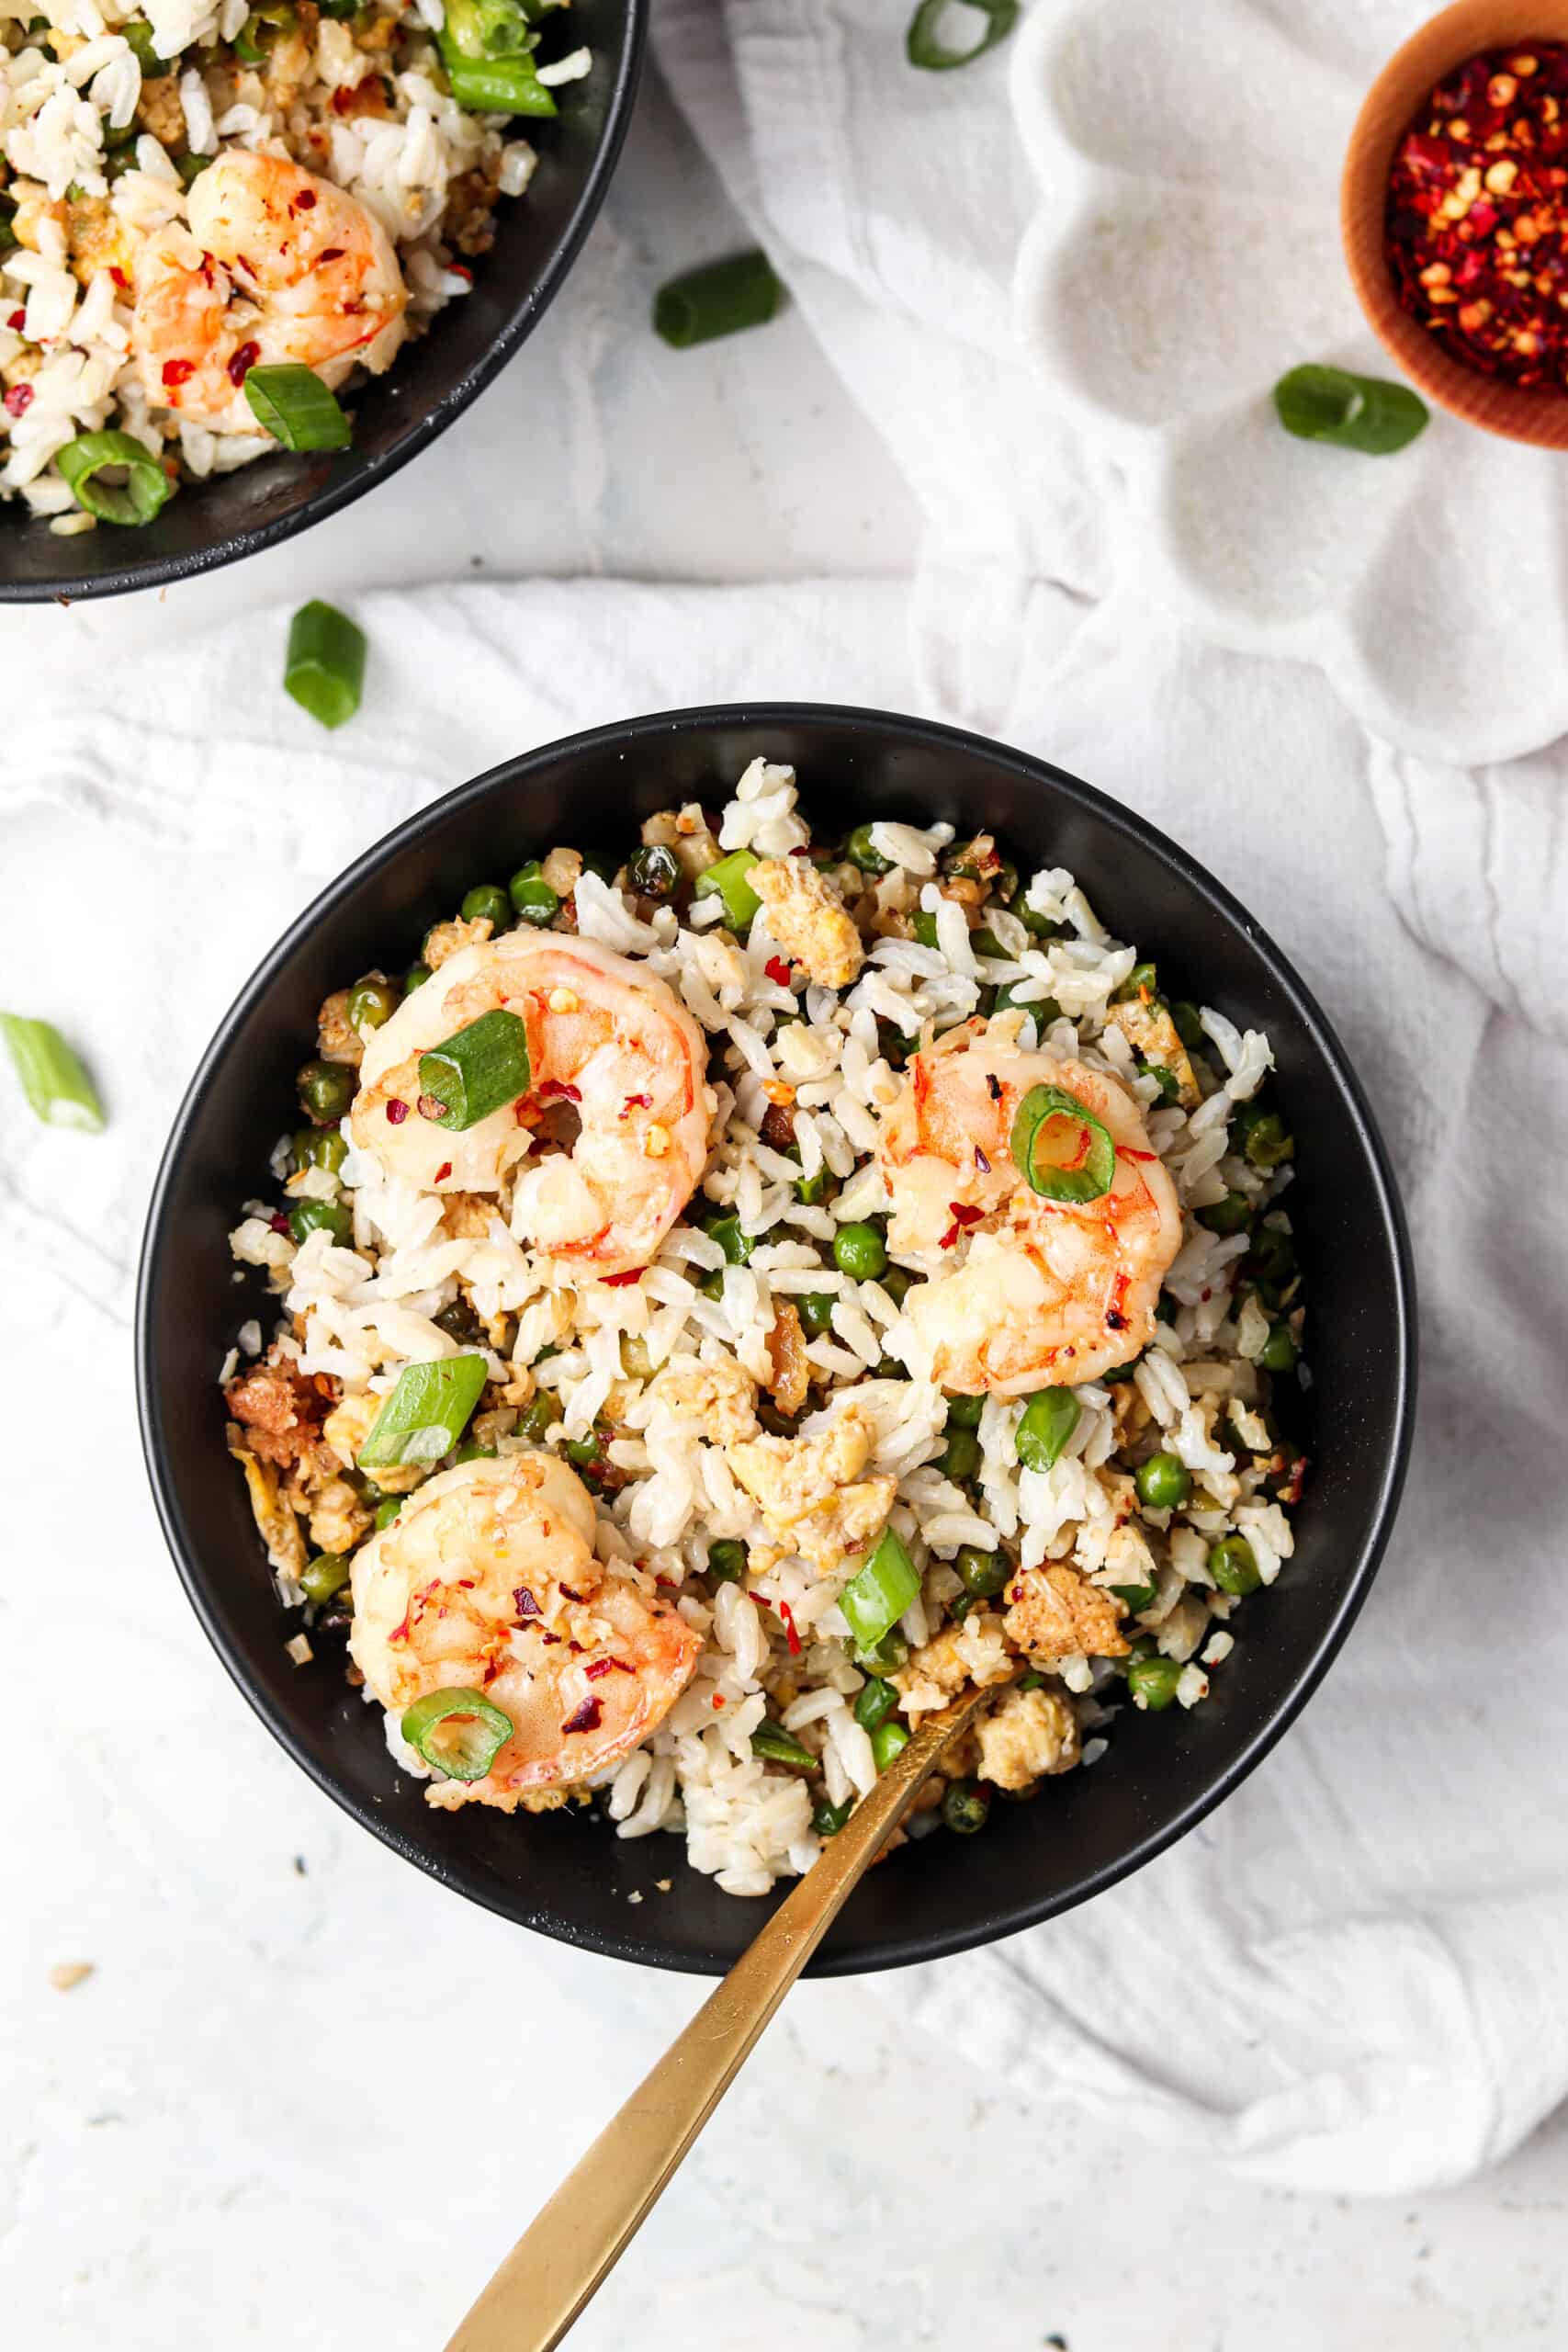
(425, 1414)
(324, 668)
(460, 1732)
(293, 404)
(1364, 412)
(877, 1595)
(143, 491)
(1060, 1148)
(924, 45)
(723, 298)
(475, 1071)
(52, 1079)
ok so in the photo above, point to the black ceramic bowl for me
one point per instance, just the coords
(567, 1874)
(431, 381)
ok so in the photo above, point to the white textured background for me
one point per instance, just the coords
(234, 2132)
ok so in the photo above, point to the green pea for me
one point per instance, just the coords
(813, 1190)
(887, 1740)
(874, 1703)
(886, 1656)
(814, 1308)
(960, 1458)
(1151, 1682)
(532, 896)
(858, 852)
(326, 1089)
(539, 1415)
(596, 861)
(1233, 1565)
(1141, 980)
(1263, 1136)
(965, 1806)
(1163, 1482)
(1188, 1027)
(1231, 1215)
(897, 1282)
(726, 1561)
(486, 902)
(1049, 1420)
(828, 1819)
(416, 977)
(371, 1003)
(958, 1608)
(653, 871)
(1279, 1350)
(323, 1576)
(310, 1216)
(737, 1246)
(319, 1147)
(982, 1574)
(386, 1511)
(924, 927)
(963, 1412)
(860, 1251)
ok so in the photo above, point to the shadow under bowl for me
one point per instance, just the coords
(1538, 416)
(565, 1873)
(432, 380)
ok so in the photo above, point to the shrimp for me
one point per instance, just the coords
(487, 1581)
(607, 1039)
(276, 264)
(1051, 1293)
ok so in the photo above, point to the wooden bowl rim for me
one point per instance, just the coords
(1446, 40)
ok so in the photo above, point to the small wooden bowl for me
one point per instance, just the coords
(1446, 41)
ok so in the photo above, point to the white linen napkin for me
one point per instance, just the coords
(1347, 1978)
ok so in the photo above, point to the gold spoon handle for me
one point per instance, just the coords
(574, 2243)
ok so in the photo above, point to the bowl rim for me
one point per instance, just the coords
(164, 572)
(1382, 1203)
(1537, 416)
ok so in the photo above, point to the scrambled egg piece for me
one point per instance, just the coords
(809, 1490)
(791, 1374)
(1029, 1733)
(1057, 1613)
(1150, 1031)
(809, 918)
(339, 1521)
(445, 939)
(335, 1041)
(721, 1395)
(275, 1523)
(959, 1655)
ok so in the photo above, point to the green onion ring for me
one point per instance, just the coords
(481, 1731)
(1089, 1173)
(293, 404)
(924, 45)
(146, 487)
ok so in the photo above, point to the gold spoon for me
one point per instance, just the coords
(573, 2244)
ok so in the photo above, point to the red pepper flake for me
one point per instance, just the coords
(18, 400)
(717, 1701)
(619, 1282)
(305, 201)
(556, 1090)
(119, 278)
(397, 1112)
(335, 253)
(981, 1162)
(525, 1604)
(568, 1594)
(443, 1171)
(993, 1086)
(962, 1215)
(279, 1222)
(545, 1635)
(777, 969)
(638, 1102)
(790, 1634)
(178, 371)
(1126, 1151)
(461, 269)
(598, 1668)
(1476, 232)
(588, 1717)
(244, 359)
(19, 320)
(801, 850)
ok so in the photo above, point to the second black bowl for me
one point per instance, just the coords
(431, 381)
(569, 1875)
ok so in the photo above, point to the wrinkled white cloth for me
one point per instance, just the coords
(1346, 1979)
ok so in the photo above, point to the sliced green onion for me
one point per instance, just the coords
(293, 404)
(138, 35)
(146, 487)
(877, 1595)
(886, 1656)
(1364, 412)
(771, 1742)
(727, 880)
(56, 1085)
(324, 668)
(722, 299)
(475, 1071)
(323, 1576)
(1137, 1597)
(887, 1740)
(874, 1703)
(828, 1819)
(1049, 1420)
(923, 43)
(1060, 1148)
(386, 1511)
(496, 85)
(425, 1414)
(460, 1732)
(191, 167)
